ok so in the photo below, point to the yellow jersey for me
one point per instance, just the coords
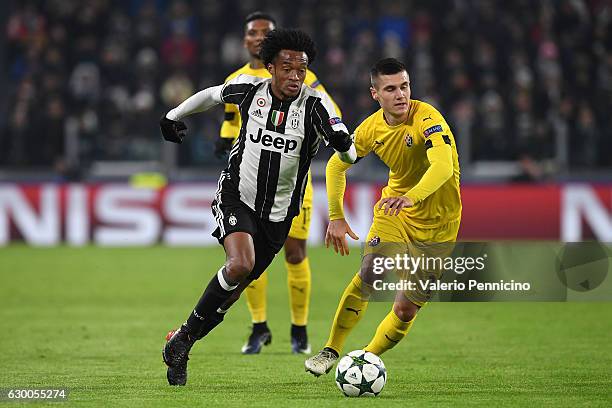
(404, 149)
(231, 123)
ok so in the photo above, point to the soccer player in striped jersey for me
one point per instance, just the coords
(419, 212)
(262, 188)
(257, 25)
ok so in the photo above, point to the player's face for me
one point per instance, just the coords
(254, 34)
(393, 93)
(288, 73)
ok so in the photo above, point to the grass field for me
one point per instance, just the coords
(94, 320)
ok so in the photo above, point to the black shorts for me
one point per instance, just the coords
(232, 215)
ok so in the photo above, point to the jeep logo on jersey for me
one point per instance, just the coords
(278, 142)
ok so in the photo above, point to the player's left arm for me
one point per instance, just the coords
(331, 129)
(314, 82)
(440, 155)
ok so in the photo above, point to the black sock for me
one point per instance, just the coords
(334, 352)
(208, 313)
(260, 327)
(298, 331)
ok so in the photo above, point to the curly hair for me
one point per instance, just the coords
(286, 39)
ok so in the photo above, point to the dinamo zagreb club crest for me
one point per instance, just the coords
(374, 241)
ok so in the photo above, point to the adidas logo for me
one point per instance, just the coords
(353, 375)
(257, 113)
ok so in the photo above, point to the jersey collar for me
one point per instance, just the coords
(280, 101)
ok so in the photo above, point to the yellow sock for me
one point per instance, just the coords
(389, 332)
(256, 298)
(352, 306)
(298, 281)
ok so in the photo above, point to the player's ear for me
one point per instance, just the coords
(270, 68)
(373, 93)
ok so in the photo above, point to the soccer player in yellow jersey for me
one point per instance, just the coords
(257, 25)
(420, 205)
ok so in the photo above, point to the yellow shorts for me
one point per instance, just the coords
(300, 226)
(390, 235)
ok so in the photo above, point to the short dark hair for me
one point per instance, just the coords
(259, 15)
(386, 66)
(286, 39)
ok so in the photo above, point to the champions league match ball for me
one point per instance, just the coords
(361, 374)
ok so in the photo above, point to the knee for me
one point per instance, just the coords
(367, 276)
(239, 266)
(405, 311)
(295, 257)
(295, 251)
(367, 272)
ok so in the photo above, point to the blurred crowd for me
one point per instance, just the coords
(522, 80)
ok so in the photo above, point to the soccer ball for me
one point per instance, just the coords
(361, 374)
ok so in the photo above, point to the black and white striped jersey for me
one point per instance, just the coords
(268, 164)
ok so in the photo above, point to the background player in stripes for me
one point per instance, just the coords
(262, 188)
(257, 25)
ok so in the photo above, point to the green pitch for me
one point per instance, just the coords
(94, 320)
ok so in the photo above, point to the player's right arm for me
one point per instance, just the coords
(335, 180)
(174, 130)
